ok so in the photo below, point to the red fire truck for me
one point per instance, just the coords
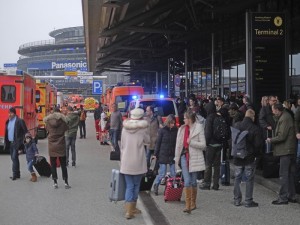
(17, 89)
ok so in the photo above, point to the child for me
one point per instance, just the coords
(31, 152)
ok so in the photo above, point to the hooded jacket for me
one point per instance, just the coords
(73, 121)
(56, 125)
(31, 150)
(211, 115)
(134, 137)
(165, 145)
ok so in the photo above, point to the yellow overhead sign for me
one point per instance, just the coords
(70, 73)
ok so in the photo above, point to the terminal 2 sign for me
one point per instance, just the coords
(267, 55)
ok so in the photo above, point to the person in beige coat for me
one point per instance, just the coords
(189, 156)
(135, 135)
(56, 125)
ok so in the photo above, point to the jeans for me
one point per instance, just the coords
(162, 172)
(114, 136)
(133, 183)
(213, 160)
(82, 129)
(70, 142)
(14, 155)
(287, 178)
(30, 166)
(249, 172)
(149, 153)
(190, 178)
(63, 166)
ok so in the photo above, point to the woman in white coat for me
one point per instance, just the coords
(189, 156)
(135, 135)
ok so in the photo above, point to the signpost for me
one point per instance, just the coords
(97, 87)
(267, 55)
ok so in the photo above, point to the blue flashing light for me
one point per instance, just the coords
(161, 96)
(19, 72)
(134, 97)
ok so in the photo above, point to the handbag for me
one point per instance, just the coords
(114, 156)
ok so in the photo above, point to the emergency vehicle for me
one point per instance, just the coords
(53, 96)
(122, 95)
(43, 103)
(162, 106)
(17, 90)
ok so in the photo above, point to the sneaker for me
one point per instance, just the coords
(292, 200)
(55, 186)
(216, 188)
(74, 164)
(67, 186)
(278, 202)
(204, 187)
(237, 203)
(251, 204)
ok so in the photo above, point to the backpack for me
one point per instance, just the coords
(221, 130)
(239, 144)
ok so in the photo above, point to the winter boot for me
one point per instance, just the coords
(194, 198)
(188, 193)
(33, 177)
(129, 210)
(136, 210)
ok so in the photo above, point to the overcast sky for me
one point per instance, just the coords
(24, 21)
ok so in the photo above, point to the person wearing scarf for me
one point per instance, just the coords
(190, 145)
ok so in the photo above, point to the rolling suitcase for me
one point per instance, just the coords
(148, 178)
(271, 166)
(117, 186)
(173, 189)
(42, 166)
(147, 181)
(224, 171)
(268, 146)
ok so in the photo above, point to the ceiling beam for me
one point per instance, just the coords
(140, 18)
(152, 30)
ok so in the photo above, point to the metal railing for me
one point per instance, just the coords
(37, 43)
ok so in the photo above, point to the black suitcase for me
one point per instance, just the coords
(224, 171)
(147, 180)
(42, 166)
(271, 166)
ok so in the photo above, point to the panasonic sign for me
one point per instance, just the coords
(63, 65)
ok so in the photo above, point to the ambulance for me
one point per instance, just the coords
(17, 89)
(43, 104)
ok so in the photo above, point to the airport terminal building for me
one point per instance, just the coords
(65, 52)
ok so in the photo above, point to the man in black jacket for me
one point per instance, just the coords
(213, 150)
(15, 130)
(246, 166)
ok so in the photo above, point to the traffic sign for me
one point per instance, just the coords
(97, 87)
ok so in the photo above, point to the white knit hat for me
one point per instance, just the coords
(136, 113)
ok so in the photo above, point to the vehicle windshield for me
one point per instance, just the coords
(123, 101)
(162, 107)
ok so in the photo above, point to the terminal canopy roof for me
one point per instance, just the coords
(147, 33)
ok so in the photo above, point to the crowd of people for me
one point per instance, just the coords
(61, 126)
(196, 148)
